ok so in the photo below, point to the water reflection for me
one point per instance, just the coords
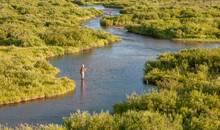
(83, 88)
(116, 71)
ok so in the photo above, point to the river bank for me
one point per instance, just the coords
(117, 71)
(25, 73)
(178, 21)
(34, 53)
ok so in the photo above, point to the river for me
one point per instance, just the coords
(115, 72)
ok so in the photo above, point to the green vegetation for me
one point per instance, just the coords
(189, 88)
(131, 120)
(30, 32)
(25, 74)
(188, 97)
(191, 20)
(48, 23)
(39, 127)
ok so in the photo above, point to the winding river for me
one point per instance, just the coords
(115, 72)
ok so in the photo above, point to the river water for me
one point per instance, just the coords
(115, 72)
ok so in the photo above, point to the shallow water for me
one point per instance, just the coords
(115, 72)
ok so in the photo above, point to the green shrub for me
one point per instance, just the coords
(189, 20)
(130, 120)
(86, 121)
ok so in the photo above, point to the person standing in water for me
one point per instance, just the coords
(82, 71)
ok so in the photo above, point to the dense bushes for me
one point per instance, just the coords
(188, 81)
(39, 127)
(195, 20)
(41, 23)
(187, 98)
(26, 75)
(201, 64)
(130, 120)
(193, 77)
(196, 110)
(118, 20)
(75, 37)
(41, 29)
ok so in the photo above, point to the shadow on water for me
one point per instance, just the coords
(116, 71)
(83, 87)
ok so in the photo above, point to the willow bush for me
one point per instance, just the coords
(187, 97)
(189, 85)
(182, 20)
(30, 32)
(130, 120)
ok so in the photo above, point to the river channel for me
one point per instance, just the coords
(115, 72)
